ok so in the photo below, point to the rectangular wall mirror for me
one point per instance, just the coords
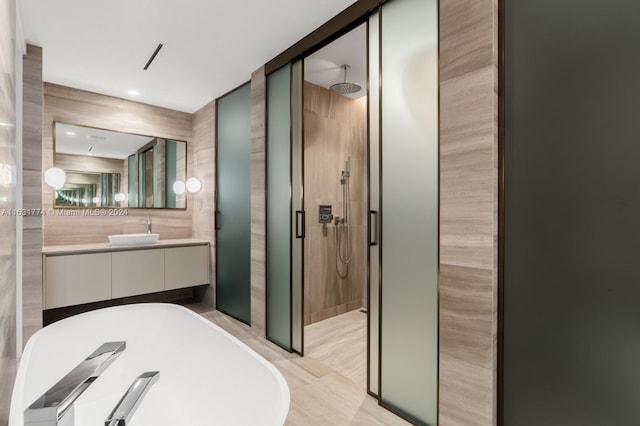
(112, 169)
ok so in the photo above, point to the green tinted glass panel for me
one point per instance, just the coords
(171, 157)
(233, 262)
(132, 181)
(155, 173)
(297, 225)
(571, 213)
(374, 199)
(142, 178)
(279, 207)
(409, 314)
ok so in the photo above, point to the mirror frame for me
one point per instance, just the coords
(125, 207)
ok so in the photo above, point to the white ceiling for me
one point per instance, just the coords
(106, 144)
(210, 46)
(324, 66)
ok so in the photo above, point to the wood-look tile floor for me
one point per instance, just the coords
(328, 384)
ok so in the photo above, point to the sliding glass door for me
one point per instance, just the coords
(233, 197)
(297, 206)
(373, 348)
(403, 208)
(285, 217)
(409, 209)
(571, 287)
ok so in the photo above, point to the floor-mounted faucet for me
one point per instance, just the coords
(149, 222)
(121, 415)
(56, 406)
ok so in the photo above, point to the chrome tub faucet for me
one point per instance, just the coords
(56, 406)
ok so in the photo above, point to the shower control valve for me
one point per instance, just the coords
(324, 214)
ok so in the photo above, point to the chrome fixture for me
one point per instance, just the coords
(343, 224)
(324, 213)
(345, 88)
(122, 413)
(56, 406)
(149, 222)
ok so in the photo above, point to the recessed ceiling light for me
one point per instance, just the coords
(133, 93)
(71, 133)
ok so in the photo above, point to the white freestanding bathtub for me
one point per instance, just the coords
(207, 376)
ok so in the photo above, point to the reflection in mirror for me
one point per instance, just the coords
(89, 190)
(113, 169)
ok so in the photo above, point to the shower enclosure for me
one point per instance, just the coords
(334, 158)
(387, 205)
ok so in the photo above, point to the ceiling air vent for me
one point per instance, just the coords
(153, 56)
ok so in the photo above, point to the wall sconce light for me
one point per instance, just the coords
(119, 197)
(55, 177)
(194, 184)
(179, 187)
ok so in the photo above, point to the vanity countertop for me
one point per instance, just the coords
(106, 247)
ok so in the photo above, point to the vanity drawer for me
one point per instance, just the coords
(186, 266)
(137, 272)
(76, 279)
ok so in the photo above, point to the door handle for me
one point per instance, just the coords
(218, 220)
(299, 221)
(373, 227)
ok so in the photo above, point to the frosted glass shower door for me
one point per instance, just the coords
(233, 215)
(285, 218)
(297, 205)
(409, 209)
(374, 205)
(279, 207)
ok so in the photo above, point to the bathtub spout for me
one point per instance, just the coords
(121, 415)
(55, 407)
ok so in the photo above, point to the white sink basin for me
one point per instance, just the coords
(133, 239)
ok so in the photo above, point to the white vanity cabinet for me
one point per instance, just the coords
(77, 279)
(137, 272)
(186, 266)
(90, 273)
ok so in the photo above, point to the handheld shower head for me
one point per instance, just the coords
(346, 173)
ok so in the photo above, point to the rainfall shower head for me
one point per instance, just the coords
(345, 88)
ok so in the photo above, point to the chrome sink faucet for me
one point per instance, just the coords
(149, 222)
